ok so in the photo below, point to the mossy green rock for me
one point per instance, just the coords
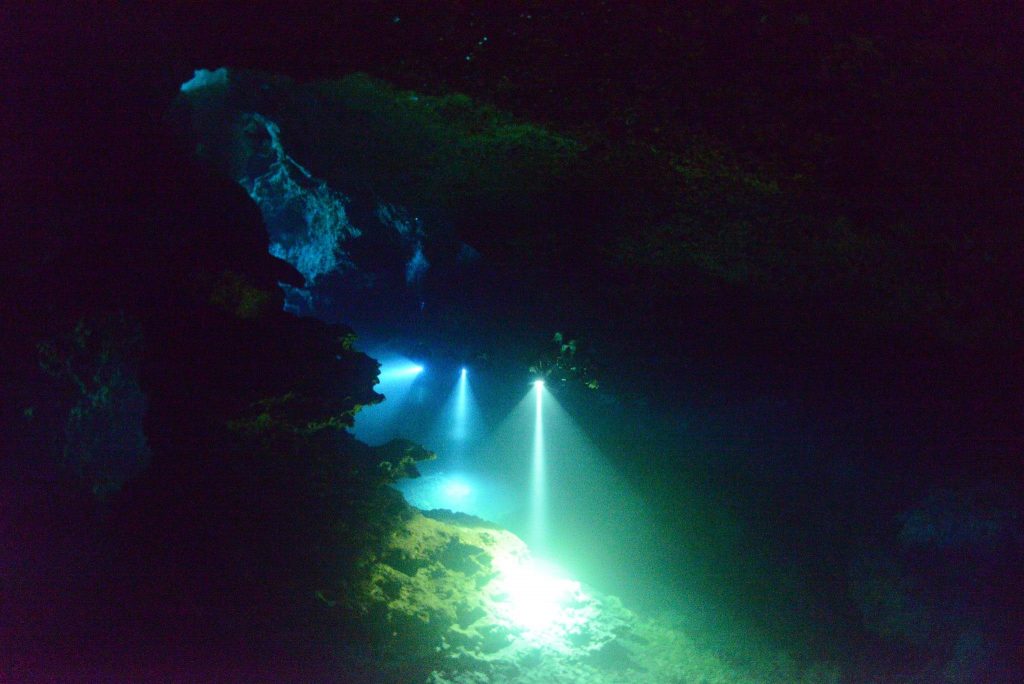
(469, 604)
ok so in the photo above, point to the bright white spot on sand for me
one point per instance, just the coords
(537, 599)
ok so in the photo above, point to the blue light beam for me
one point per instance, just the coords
(378, 423)
(461, 409)
(458, 425)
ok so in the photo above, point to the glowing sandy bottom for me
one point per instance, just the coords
(538, 600)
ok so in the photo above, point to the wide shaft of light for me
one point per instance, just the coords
(538, 484)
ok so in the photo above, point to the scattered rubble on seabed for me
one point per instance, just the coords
(471, 598)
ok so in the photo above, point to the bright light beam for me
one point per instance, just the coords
(461, 408)
(457, 427)
(377, 423)
(538, 484)
(390, 373)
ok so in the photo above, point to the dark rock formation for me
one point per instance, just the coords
(944, 584)
(176, 465)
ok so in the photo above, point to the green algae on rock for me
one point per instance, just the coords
(470, 604)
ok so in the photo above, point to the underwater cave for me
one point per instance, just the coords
(480, 342)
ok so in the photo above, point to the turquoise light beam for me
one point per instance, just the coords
(538, 481)
(461, 421)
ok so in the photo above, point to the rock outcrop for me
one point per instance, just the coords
(465, 602)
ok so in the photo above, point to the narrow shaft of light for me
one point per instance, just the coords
(406, 371)
(461, 407)
(538, 498)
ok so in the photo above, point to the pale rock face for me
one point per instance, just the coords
(306, 218)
